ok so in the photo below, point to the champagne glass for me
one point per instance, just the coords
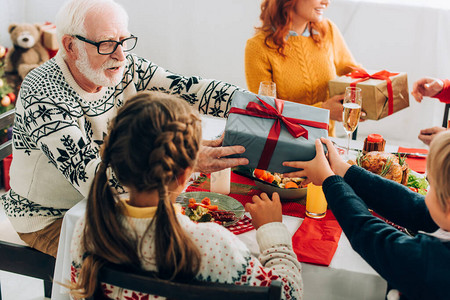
(352, 112)
(267, 88)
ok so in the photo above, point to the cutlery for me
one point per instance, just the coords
(409, 154)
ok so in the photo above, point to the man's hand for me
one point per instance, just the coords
(211, 156)
(427, 135)
(263, 210)
(426, 87)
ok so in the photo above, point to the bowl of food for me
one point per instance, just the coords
(288, 188)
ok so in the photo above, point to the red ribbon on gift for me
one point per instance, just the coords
(268, 112)
(382, 75)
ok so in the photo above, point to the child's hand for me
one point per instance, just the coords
(263, 210)
(338, 166)
(315, 170)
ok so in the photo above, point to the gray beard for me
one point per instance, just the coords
(97, 77)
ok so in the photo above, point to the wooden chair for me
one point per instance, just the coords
(15, 255)
(146, 282)
(445, 120)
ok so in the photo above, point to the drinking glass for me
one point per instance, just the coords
(267, 88)
(352, 112)
(316, 203)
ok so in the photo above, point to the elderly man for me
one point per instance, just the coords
(63, 111)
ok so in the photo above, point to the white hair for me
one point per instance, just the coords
(71, 16)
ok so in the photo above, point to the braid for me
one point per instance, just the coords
(153, 139)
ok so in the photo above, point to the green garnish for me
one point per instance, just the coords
(401, 159)
(386, 167)
(360, 158)
(417, 182)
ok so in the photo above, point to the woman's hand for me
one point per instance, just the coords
(319, 168)
(334, 105)
(263, 210)
(426, 87)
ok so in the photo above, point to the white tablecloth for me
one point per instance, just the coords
(347, 277)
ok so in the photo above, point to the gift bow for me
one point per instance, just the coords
(382, 75)
(268, 112)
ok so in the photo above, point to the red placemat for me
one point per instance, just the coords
(418, 164)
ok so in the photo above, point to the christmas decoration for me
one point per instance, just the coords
(7, 97)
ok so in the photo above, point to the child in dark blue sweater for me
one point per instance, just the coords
(419, 267)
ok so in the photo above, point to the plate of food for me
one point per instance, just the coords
(289, 188)
(211, 207)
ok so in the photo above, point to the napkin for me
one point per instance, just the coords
(418, 164)
(316, 240)
(243, 225)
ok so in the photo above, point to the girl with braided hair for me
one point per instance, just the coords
(151, 149)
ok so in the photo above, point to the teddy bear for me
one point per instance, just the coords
(27, 51)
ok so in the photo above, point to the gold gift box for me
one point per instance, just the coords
(375, 93)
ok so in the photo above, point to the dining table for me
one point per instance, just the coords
(345, 276)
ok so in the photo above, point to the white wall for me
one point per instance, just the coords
(207, 38)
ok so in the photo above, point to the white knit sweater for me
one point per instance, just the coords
(225, 258)
(59, 127)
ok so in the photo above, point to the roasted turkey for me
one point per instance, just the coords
(385, 164)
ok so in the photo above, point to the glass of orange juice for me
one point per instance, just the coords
(316, 203)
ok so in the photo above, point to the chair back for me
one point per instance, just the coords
(148, 283)
(445, 120)
(15, 257)
(6, 120)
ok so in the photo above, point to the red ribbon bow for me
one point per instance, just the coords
(268, 112)
(382, 75)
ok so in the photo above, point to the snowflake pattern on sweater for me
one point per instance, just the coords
(225, 258)
(59, 128)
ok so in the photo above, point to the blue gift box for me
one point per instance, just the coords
(252, 132)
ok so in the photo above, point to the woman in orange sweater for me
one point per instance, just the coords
(300, 51)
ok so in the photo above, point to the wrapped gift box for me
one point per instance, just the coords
(253, 132)
(49, 39)
(375, 93)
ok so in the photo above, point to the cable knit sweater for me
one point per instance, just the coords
(59, 128)
(225, 258)
(302, 76)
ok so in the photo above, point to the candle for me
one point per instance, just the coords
(220, 181)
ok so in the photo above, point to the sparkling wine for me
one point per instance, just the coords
(351, 114)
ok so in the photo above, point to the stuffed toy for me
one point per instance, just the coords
(27, 51)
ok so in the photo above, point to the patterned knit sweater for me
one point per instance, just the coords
(302, 75)
(225, 258)
(59, 128)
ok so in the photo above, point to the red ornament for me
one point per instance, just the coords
(12, 96)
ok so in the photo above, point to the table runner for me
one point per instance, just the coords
(314, 242)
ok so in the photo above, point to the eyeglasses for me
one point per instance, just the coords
(109, 46)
